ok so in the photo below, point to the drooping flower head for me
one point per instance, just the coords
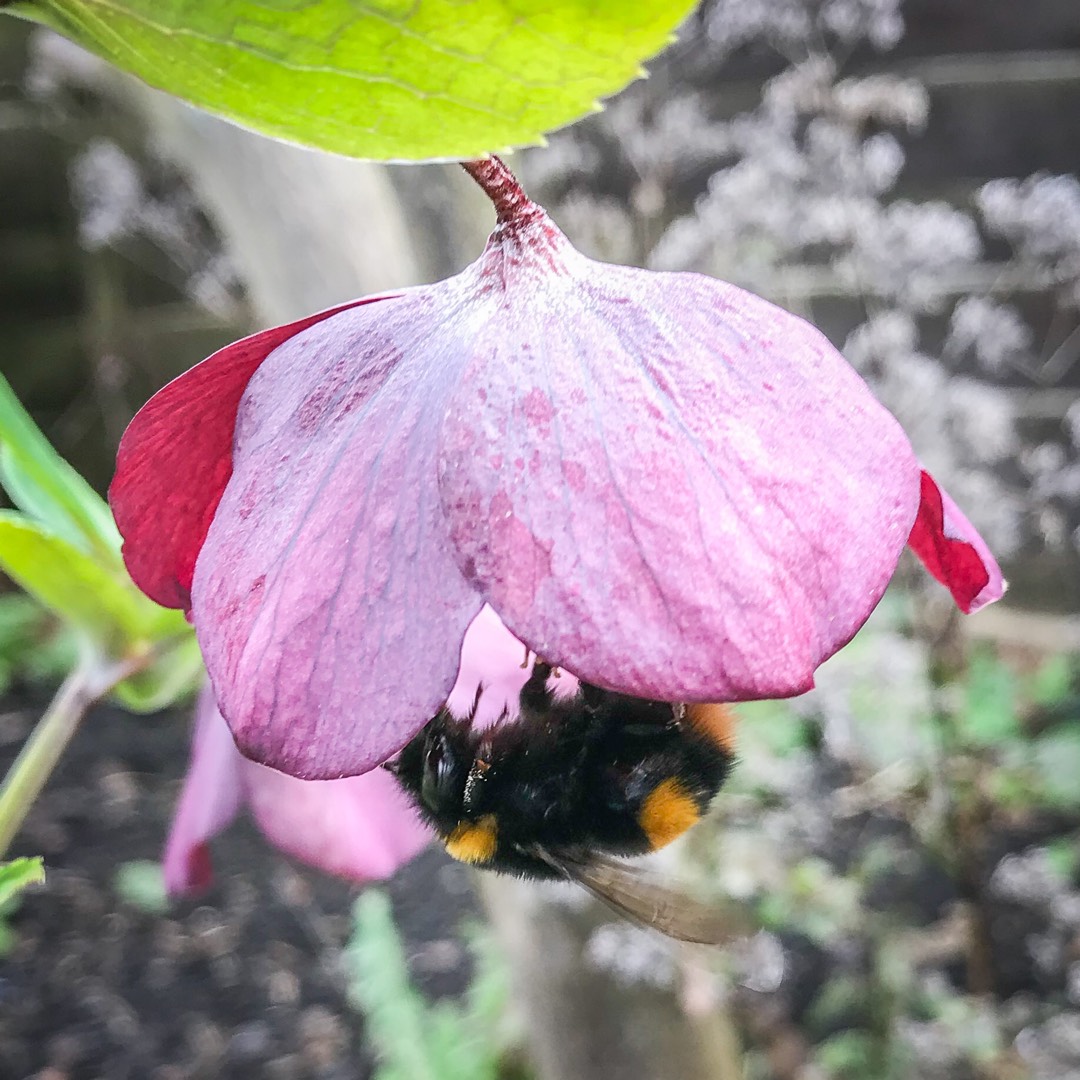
(664, 484)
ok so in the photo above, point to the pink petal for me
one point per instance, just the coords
(494, 660)
(362, 827)
(953, 551)
(175, 459)
(669, 485)
(209, 801)
(326, 598)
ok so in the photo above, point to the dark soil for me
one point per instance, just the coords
(249, 981)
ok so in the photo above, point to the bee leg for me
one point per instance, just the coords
(535, 697)
(593, 697)
(476, 702)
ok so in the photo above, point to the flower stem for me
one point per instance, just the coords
(501, 187)
(92, 679)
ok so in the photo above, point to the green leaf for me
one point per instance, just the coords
(1062, 855)
(488, 1013)
(17, 875)
(1053, 682)
(989, 717)
(847, 1054)
(771, 727)
(379, 79)
(99, 600)
(141, 884)
(34, 644)
(175, 676)
(39, 481)
(397, 1018)
(1056, 758)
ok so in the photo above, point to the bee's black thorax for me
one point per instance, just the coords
(595, 772)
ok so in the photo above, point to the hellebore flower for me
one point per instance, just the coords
(660, 482)
(360, 827)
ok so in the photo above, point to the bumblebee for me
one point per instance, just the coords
(571, 786)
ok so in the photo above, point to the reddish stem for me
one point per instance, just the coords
(501, 187)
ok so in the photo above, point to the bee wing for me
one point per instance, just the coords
(630, 892)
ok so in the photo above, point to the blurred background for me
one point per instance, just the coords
(901, 172)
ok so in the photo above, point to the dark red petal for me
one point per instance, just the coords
(953, 551)
(176, 458)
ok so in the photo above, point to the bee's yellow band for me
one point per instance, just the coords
(716, 722)
(668, 811)
(474, 842)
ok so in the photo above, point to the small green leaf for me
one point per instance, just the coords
(848, 1054)
(1063, 857)
(398, 1019)
(39, 481)
(1056, 758)
(841, 999)
(99, 600)
(1053, 682)
(380, 79)
(176, 675)
(17, 875)
(989, 717)
(771, 727)
(141, 884)
(34, 644)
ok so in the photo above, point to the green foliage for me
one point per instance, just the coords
(840, 1000)
(1023, 769)
(417, 1040)
(15, 876)
(41, 483)
(33, 644)
(771, 727)
(816, 901)
(141, 884)
(1055, 759)
(63, 549)
(173, 678)
(380, 79)
(989, 716)
(848, 1055)
(1053, 682)
(89, 594)
(1063, 856)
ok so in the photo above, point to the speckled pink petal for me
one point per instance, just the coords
(209, 801)
(669, 485)
(175, 459)
(953, 551)
(326, 598)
